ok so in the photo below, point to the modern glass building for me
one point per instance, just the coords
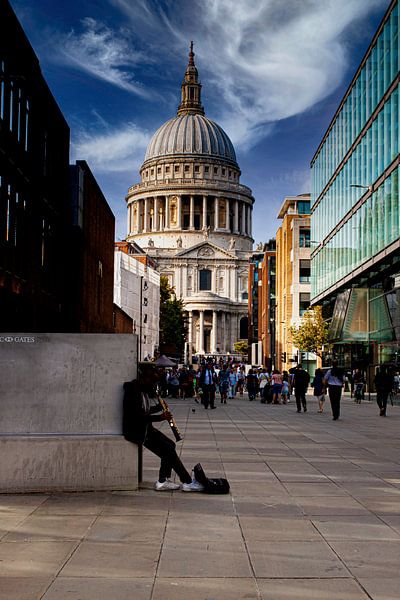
(355, 225)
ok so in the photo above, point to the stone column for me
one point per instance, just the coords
(146, 215)
(155, 214)
(191, 217)
(166, 212)
(216, 214)
(138, 216)
(204, 212)
(190, 331)
(236, 219)
(180, 212)
(214, 332)
(227, 336)
(227, 215)
(223, 332)
(243, 228)
(201, 332)
(250, 220)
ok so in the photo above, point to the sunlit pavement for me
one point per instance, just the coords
(314, 513)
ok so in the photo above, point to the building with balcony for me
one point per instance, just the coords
(355, 209)
(192, 215)
(293, 279)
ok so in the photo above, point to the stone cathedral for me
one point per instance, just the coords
(192, 215)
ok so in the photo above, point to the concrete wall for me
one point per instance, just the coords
(61, 411)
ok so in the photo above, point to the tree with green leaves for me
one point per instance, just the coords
(241, 347)
(172, 320)
(313, 333)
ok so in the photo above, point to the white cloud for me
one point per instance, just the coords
(120, 150)
(268, 59)
(104, 54)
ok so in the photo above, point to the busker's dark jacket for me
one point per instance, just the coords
(136, 420)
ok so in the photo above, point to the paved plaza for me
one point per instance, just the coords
(314, 513)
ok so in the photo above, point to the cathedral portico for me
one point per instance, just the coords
(194, 218)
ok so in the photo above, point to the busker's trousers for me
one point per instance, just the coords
(300, 399)
(164, 447)
(335, 393)
(208, 395)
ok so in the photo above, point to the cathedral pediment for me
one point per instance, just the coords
(206, 250)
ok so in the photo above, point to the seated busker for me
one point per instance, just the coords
(137, 426)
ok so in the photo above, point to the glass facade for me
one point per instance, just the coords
(359, 155)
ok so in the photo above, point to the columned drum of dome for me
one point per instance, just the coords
(193, 216)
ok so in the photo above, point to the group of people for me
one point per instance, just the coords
(140, 411)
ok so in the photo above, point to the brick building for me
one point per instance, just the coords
(92, 254)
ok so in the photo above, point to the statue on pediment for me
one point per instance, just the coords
(232, 244)
(179, 242)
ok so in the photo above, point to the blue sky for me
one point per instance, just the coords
(273, 73)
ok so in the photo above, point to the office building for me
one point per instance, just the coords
(355, 209)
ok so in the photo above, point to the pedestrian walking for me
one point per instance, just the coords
(263, 381)
(319, 389)
(285, 387)
(223, 382)
(208, 383)
(251, 380)
(383, 382)
(276, 381)
(334, 379)
(232, 383)
(301, 380)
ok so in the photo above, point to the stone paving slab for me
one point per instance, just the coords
(313, 514)
(311, 589)
(89, 588)
(113, 560)
(310, 559)
(23, 588)
(205, 589)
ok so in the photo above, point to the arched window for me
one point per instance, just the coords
(205, 280)
(243, 328)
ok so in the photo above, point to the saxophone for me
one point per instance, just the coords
(171, 420)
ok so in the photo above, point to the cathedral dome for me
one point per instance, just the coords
(191, 134)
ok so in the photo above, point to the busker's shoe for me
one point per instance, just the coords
(166, 486)
(195, 486)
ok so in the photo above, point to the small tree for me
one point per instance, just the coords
(172, 319)
(312, 334)
(241, 347)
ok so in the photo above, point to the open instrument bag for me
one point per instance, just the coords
(218, 485)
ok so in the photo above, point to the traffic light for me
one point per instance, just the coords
(283, 357)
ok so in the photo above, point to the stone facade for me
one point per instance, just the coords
(193, 217)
